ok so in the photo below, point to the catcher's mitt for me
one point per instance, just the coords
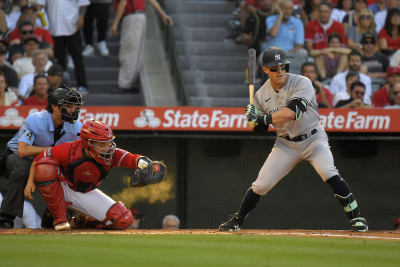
(153, 173)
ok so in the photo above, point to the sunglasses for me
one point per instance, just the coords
(26, 32)
(369, 42)
(359, 93)
(275, 69)
(365, 17)
(396, 92)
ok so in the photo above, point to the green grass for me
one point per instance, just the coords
(193, 250)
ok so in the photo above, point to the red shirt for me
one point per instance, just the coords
(318, 37)
(381, 98)
(34, 101)
(41, 34)
(392, 43)
(329, 96)
(86, 172)
(252, 2)
(132, 6)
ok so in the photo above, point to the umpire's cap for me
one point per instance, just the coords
(274, 56)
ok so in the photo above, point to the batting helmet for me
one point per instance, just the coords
(274, 56)
(63, 97)
(98, 138)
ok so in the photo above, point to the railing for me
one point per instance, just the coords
(172, 56)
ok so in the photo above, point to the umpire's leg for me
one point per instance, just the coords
(17, 173)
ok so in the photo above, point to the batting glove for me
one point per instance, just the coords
(251, 113)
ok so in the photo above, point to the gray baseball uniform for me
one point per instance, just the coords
(286, 154)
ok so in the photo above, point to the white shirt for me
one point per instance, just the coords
(342, 95)
(13, 17)
(26, 85)
(380, 18)
(25, 66)
(63, 15)
(338, 15)
(338, 84)
(30, 219)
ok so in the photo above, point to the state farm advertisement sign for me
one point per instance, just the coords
(209, 119)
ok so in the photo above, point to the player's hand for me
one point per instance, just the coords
(29, 189)
(251, 113)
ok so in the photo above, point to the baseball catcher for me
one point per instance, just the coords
(67, 175)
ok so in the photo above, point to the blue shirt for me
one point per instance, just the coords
(38, 130)
(289, 34)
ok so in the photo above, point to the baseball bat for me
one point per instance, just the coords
(252, 76)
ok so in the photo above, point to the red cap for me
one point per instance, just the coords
(397, 221)
(392, 70)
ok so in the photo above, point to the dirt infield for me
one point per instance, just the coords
(378, 235)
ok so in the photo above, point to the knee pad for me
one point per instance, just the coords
(46, 171)
(120, 217)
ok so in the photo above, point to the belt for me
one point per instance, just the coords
(301, 137)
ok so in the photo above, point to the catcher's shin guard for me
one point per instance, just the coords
(46, 180)
(119, 216)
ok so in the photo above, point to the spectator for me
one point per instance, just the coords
(365, 24)
(395, 59)
(351, 77)
(10, 73)
(3, 20)
(338, 82)
(357, 92)
(380, 17)
(3, 41)
(375, 62)
(40, 61)
(333, 59)
(317, 31)
(40, 91)
(99, 10)
(396, 97)
(351, 19)
(310, 11)
(254, 31)
(14, 53)
(343, 8)
(246, 7)
(132, 38)
(379, 5)
(324, 96)
(397, 224)
(170, 222)
(25, 65)
(286, 31)
(30, 218)
(55, 77)
(66, 20)
(7, 97)
(384, 96)
(15, 12)
(389, 36)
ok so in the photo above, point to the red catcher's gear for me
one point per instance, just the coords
(93, 133)
(49, 186)
(120, 216)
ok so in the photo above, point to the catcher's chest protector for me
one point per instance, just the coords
(83, 173)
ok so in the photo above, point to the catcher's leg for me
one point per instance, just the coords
(46, 180)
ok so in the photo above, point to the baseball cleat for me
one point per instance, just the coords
(62, 226)
(359, 224)
(6, 223)
(233, 224)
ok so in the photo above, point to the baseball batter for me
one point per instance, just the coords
(288, 102)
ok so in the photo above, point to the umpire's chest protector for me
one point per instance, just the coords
(83, 173)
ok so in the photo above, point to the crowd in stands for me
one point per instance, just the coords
(348, 48)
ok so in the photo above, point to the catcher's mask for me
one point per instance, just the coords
(69, 100)
(98, 138)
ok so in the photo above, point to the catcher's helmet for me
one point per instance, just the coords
(63, 97)
(98, 138)
(274, 56)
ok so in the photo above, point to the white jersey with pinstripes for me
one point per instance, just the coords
(269, 101)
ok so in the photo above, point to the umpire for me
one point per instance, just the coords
(55, 125)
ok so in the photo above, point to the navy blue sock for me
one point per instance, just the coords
(249, 202)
